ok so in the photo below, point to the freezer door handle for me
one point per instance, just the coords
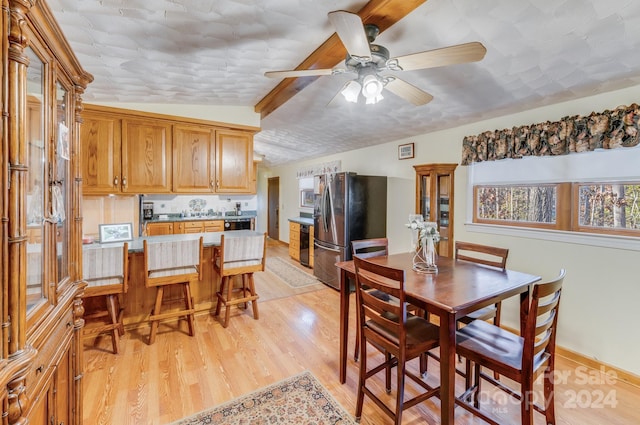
(328, 248)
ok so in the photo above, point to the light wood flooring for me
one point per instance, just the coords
(180, 375)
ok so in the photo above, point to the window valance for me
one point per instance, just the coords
(317, 169)
(605, 130)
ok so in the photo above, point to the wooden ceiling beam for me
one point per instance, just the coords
(382, 13)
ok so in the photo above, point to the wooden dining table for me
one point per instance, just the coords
(458, 288)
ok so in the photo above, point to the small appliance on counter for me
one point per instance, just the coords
(238, 208)
(147, 210)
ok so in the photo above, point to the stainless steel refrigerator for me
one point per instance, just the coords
(347, 207)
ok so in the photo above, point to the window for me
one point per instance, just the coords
(530, 205)
(591, 198)
(595, 207)
(607, 207)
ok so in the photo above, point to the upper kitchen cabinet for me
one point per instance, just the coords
(193, 159)
(100, 154)
(125, 151)
(234, 162)
(434, 200)
(146, 156)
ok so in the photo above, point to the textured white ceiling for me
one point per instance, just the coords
(215, 52)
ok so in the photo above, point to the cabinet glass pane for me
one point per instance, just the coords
(36, 155)
(62, 185)
(425, 198)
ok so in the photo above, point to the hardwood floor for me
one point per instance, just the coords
(180, 375)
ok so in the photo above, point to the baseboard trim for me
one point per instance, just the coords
(590, 362)
(620, 374)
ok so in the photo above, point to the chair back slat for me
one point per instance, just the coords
(482, 254)
(367, 248)
(242, 252)
(540, 331)
(172, 254)
(384, 313)
(105, 266)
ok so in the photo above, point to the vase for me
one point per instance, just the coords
(424, 259)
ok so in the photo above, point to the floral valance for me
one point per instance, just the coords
(604, 130)
(318, 169)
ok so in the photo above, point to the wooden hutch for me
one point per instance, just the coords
(434, 200)
(41, 363)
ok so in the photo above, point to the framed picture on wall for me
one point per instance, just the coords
(405, 151)
(306, 198)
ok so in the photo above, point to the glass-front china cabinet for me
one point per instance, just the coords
(41, 307)
(434, 200)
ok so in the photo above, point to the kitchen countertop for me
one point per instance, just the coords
(209, 239)
(302, 220)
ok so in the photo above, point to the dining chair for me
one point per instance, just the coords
(489, 256)
(385, 324)
(106, 271)
(171, 263)
(238, 256)
(368, 248)
(519, 358)
(377, 247)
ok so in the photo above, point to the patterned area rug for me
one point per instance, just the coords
(292, 275)
(298, 400)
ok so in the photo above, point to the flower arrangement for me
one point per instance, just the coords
(424, 259)
(425, 229)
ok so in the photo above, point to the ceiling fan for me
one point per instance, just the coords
(368, 61)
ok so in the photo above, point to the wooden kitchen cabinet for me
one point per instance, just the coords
(126, 151)
(100, 154)
(311, 246)
(159, 228)
(214, 226)
(193, 226)
(434, 200)
(294, 240)
(125, 155)
(146, 156)
(234, 162)
(193, 159)
(183, 227)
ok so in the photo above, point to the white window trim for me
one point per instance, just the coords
(580, 167)
(579, 238)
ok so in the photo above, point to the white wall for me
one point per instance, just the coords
(602, 286)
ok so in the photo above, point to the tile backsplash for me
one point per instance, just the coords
(125, 209)
(175, 204)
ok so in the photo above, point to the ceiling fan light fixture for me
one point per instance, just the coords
(374, 100)
(372, 89)
(351, 91)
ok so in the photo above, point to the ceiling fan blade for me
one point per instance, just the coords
(299, 73)
(351, 32)
(461, 53)
(408, 92)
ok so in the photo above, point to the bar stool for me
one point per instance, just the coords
(238, 256)
(169, 263)
(106, 271)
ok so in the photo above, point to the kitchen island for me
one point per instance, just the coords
(138, 301)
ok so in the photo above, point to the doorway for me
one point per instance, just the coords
(273, 208)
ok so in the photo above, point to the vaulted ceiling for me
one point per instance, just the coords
(215, 52)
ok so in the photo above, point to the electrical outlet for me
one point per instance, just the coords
(246, 204)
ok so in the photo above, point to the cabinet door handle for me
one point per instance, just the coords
(124, 181)
(115, 181)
